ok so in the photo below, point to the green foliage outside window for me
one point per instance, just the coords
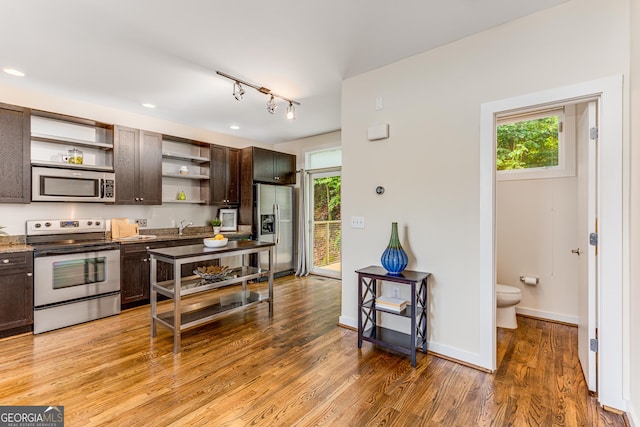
(528, 144)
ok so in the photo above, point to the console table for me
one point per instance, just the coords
(184, 317)
(416, 311)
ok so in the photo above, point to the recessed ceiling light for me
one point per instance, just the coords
(13, 72)
(148, 105)
(234, 127)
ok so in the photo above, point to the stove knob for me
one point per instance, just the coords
(97, 222)
(37, 225)
(47, 224)
(90, 223)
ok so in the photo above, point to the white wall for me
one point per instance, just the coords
(535, 231)
(430, 163)
(633, 332)
(13, 216)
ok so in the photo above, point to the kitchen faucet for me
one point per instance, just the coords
(182, 227)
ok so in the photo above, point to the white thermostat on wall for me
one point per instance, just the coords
(376, 132)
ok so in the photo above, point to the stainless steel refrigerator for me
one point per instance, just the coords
(274, 218)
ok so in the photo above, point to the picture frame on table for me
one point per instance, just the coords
(229, 218)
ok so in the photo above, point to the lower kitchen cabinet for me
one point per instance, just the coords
(135, 269)
(16, 293)
(134, 273)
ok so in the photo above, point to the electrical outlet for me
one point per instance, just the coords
(141, 222)
(357, 222)
(396, 292)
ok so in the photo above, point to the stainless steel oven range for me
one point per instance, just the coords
(76, 272)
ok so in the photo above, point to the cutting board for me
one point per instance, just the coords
(120, 228)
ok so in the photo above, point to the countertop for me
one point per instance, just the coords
(10, 244)
(179, 252)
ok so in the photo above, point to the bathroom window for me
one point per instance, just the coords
(534, 144)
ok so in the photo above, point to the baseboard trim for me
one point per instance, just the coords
(459, 362)
(547, 315)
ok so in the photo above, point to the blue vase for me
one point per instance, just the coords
(394, 259)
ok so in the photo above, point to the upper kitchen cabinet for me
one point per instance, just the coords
(15, 173)
(70, 142)
(137, 161)
(185, 171)
(225, 176)
(269, 166)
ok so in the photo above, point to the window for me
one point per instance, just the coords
(534, 145)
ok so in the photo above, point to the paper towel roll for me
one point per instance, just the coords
(529, 280)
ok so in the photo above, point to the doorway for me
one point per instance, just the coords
(545, 211)
(325, 222)
(609, 209)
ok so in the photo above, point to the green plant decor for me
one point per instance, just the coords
(3, 233)
(216, 222)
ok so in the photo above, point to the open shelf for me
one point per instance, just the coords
(70, 141)
(72, 166)
(186, 157)
(195, 284)
(203, 312)
(185, 176)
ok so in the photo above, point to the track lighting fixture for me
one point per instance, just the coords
(238, 93)
(271, 105)
(291, 111)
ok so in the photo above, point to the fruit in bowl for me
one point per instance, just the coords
(217, 241)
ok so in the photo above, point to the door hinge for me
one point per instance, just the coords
(593, 345)
(593, 133)
(593, 239)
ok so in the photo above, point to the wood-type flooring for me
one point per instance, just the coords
(298, 368)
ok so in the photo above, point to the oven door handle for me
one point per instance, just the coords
(65, 251)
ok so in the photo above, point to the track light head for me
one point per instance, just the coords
(271, 105)
(238, 91)
(291, 111)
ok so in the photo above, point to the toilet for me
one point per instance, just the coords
(507, 297)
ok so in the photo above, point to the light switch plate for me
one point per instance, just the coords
(357, 222)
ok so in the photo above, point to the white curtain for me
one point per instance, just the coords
(303, 254)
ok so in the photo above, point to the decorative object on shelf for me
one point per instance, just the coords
(394, 259)
(238, 93)
(215, 223)
(212, 272)
(184, 170)
(182, 196)
(3, 233)
(229, 218)
(380, 189)
(75, 156)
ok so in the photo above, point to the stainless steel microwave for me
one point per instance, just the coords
(72, 185)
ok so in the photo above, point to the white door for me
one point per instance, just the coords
(587, 224)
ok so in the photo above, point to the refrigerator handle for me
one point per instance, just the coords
(276, 210)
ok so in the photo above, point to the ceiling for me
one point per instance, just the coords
(121, 53)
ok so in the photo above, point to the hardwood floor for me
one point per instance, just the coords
(298, 368)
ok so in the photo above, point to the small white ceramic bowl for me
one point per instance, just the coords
(210, 242)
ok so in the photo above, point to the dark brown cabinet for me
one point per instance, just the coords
(135, 269)
(16, 293)
(269, 166)
(134, 272)
(225, 176)
(137, 162)
(266, 166)
(15, 140)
